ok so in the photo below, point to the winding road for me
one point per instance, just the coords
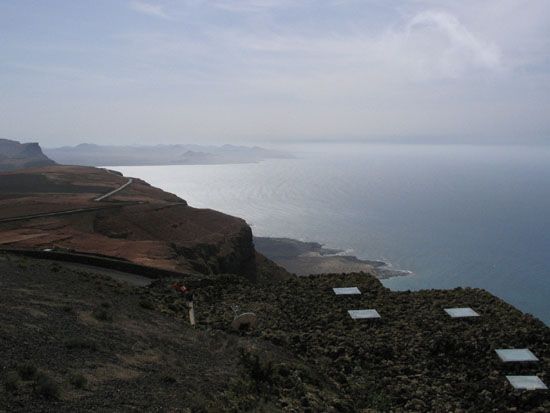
(107, 195)
(77, 210)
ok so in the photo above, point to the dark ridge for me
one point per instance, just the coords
(15, 155)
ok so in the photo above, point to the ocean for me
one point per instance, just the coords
(454, 215)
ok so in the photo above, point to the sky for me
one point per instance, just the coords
(222, 71)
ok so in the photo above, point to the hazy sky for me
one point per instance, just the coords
(166, 71)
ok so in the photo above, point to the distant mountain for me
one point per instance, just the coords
(97, 155)
(16, 155)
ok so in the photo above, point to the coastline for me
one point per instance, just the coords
(309, 258)
(302, 338)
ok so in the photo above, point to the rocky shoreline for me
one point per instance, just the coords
(307, 258)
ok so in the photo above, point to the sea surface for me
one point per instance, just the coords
(475, 216)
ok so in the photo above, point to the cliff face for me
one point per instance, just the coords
(180, 237)
(233, 255)
(141, 224)
(15, 155)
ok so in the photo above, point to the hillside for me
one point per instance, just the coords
(57, 208)
(75, 338)
(15, 155)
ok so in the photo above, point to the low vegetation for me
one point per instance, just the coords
(121, 346)
(46, 387)
(79, 381)
(102, 314)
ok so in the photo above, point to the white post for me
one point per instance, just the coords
(191, 313)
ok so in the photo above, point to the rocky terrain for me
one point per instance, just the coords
(73, 339)
(306, 258)
(15, 155)
(56, 208)
(414, 359)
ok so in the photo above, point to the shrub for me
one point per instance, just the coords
(102, 314)
(147, 304)
(168, 379)
(81, 343)
(27, 371)
(46, 387)
(68, 309)
(11, 381)
(260, 371)
(78, 380)
(379, 401)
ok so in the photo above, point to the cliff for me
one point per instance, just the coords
(56, 208)
(15, 155)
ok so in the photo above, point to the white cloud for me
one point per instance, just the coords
(429, 45)
(302, 67)
(154, 10)
(442, 46)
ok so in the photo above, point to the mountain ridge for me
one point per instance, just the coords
(87, 154)
(15, 155)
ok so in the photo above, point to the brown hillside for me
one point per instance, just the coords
(141, 224)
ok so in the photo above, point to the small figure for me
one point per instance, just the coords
(188, 295)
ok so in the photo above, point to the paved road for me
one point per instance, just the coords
(76, 210)
(103, 197)
(65, 212)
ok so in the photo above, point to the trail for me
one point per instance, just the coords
(107, 195)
